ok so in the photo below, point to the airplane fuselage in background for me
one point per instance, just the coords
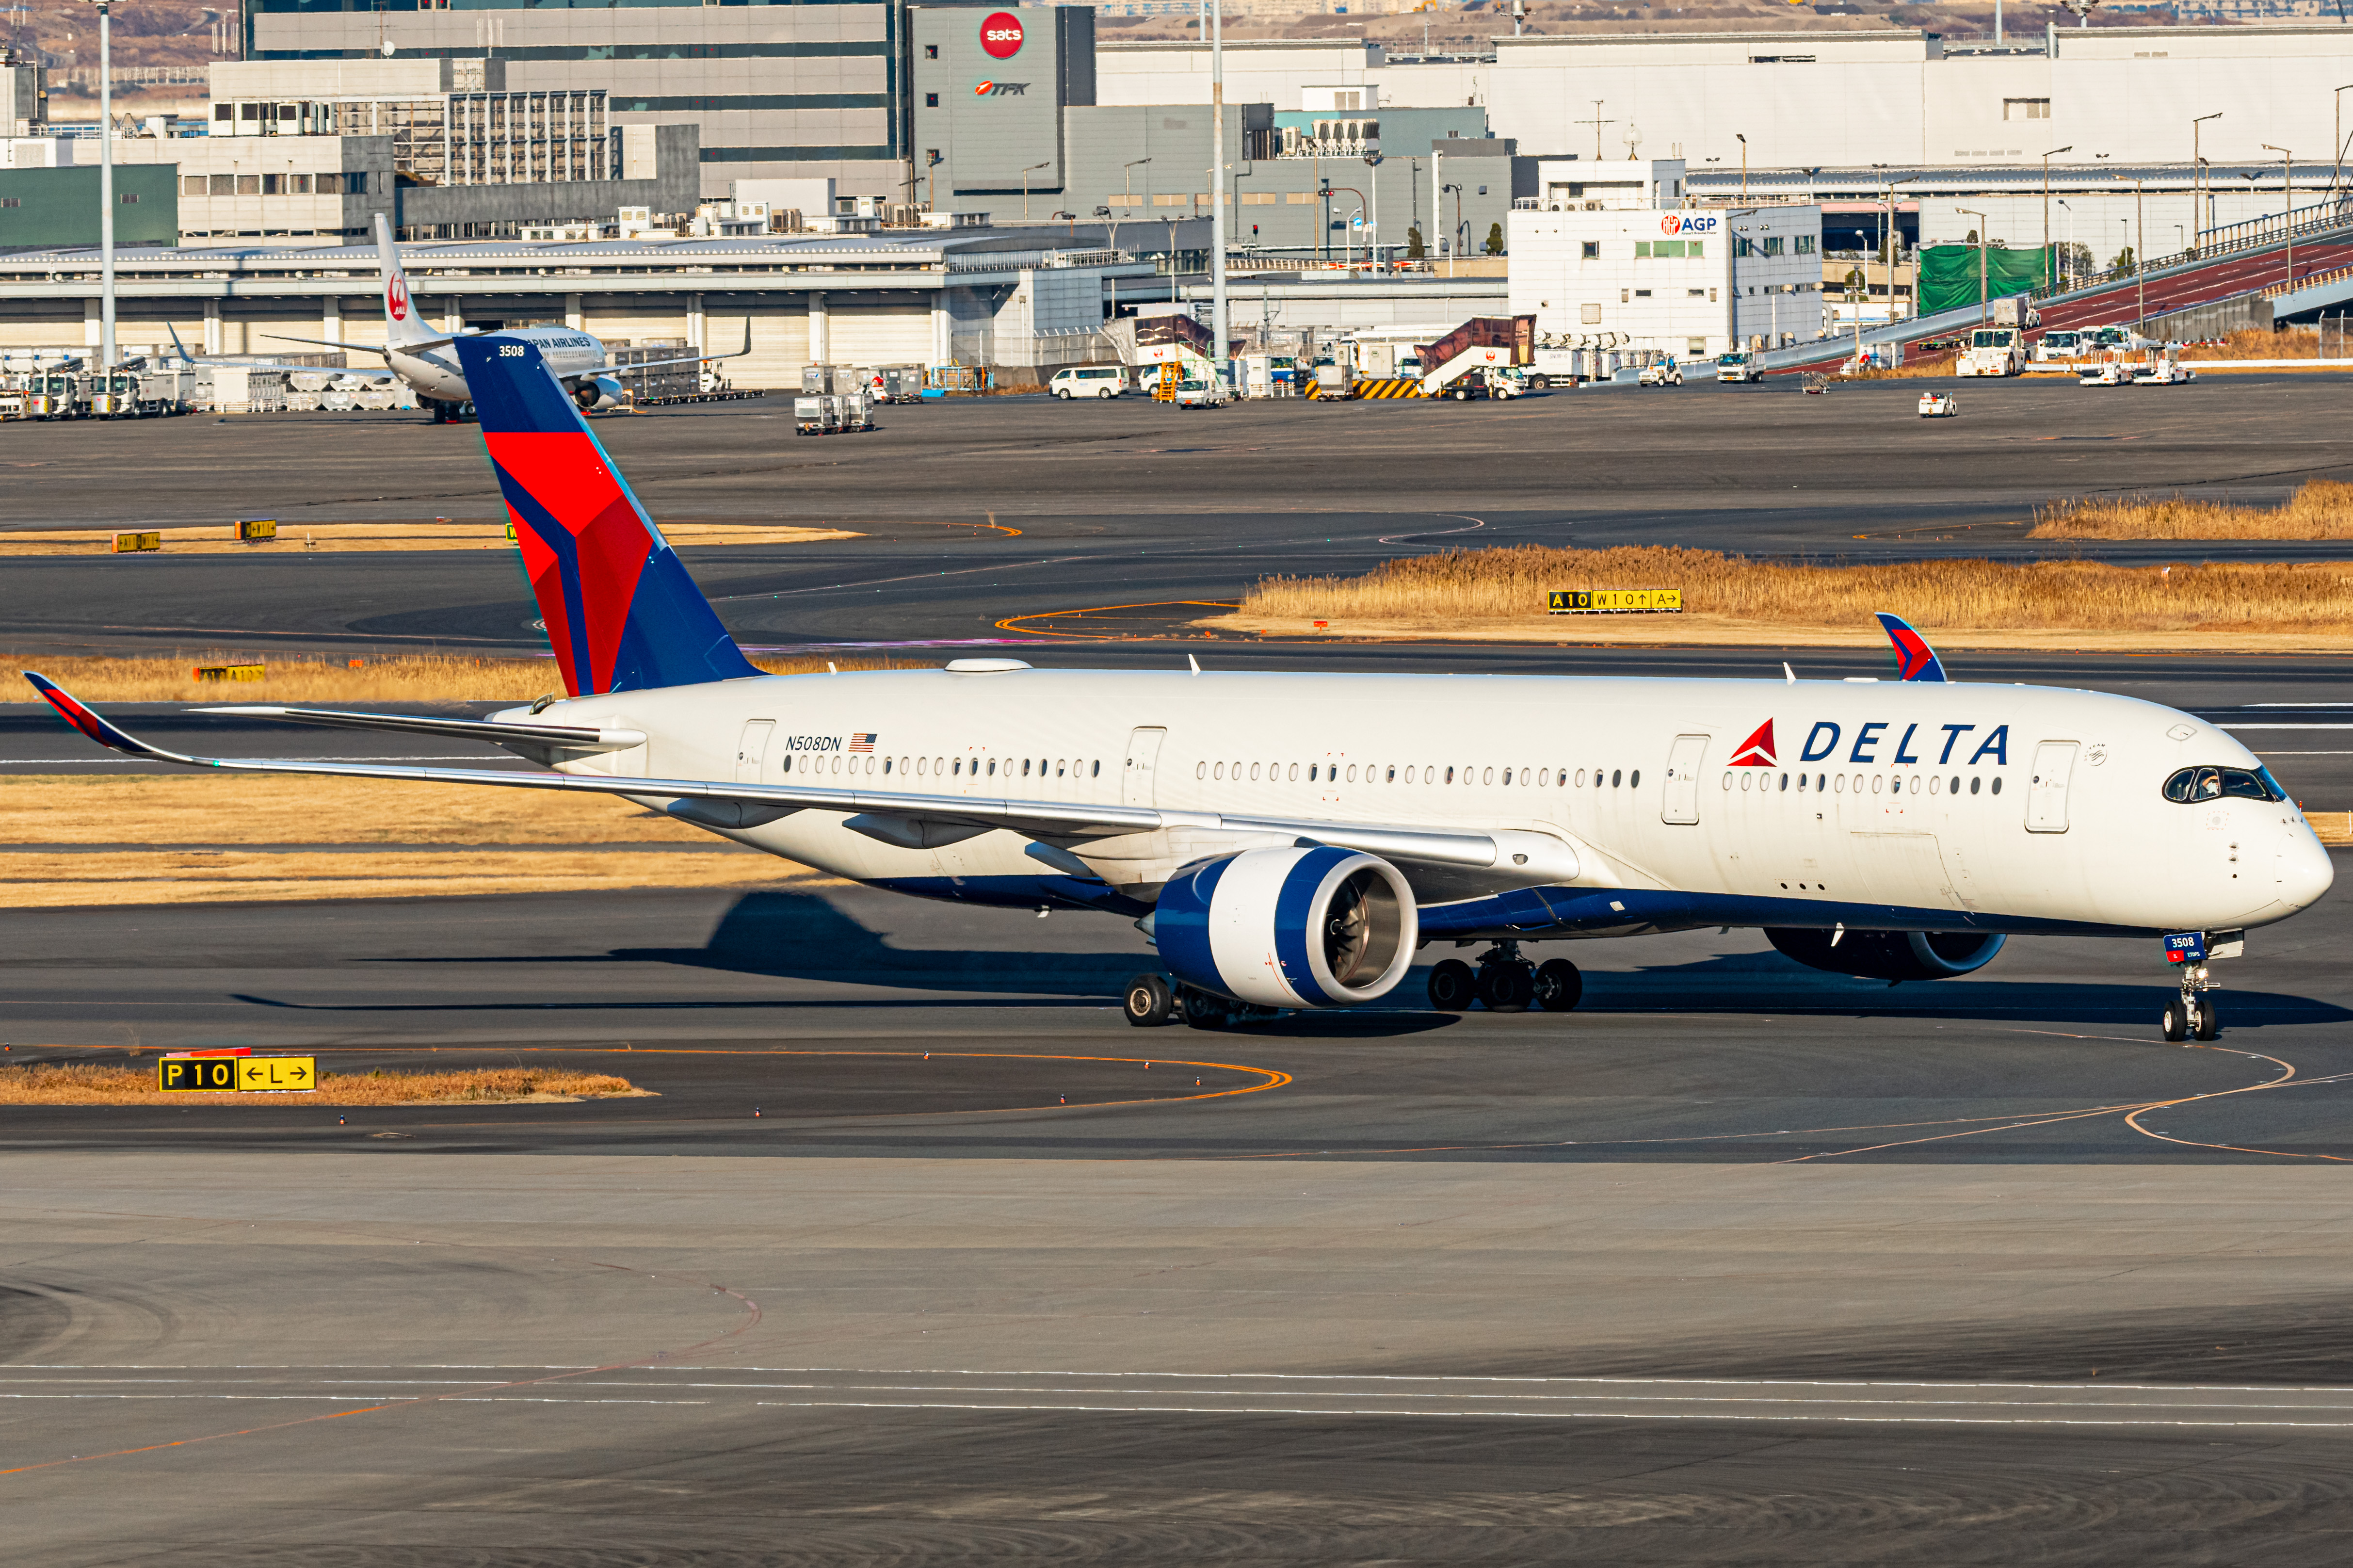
(434, 373)
(1680, 803)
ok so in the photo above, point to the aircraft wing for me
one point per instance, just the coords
(682, 359)
(361, 347)
(1517, 858)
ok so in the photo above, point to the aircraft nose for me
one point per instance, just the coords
(2306, 870)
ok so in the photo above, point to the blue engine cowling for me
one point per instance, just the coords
(1289, 928)
(1890, 955)
(595, 394)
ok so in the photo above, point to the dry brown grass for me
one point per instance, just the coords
(2322, 509)
(39, 1085)
(1953, 596)
(316, 679)
(53, 880)
(1936, 366)
(220, 538)
(2258, 343)
(204, 806)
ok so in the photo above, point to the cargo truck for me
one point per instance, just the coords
(1992, 350)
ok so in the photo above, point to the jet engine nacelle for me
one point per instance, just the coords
(596, 392)
(1289, 928)
(1891, 955)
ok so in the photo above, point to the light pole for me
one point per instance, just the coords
(106, 189)
(1025, 187)
(1982, 311)
(2197, 163)
(2336, 135)
(1218, 180)
(2046, 208)
(1744, 164)
(2065, 275)
(2140, 256)
(1373, 182)
(2287, 202)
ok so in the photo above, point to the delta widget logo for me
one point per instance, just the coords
(1757, 751)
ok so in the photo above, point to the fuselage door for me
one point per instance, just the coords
(752, 750)
(1143, 756)
(1683, 779)
(2046, 789)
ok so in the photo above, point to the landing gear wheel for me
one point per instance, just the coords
(2176, 1020)
(1507, 985)
(2208, 1024)
(1560, 986)
(1452, 986)
(1203, 1011)
(1149, 1002)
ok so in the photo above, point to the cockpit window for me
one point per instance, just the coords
(2192, 784)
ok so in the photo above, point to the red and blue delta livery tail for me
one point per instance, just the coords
(620, 610)
(1915, 660)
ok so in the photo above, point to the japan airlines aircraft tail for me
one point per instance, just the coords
(1290, 841)
(423, 355)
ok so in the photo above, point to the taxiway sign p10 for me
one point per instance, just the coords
(236, 1075)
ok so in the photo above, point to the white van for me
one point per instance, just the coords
(1086, 381)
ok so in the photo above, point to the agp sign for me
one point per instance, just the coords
(1000, 35)
(1687, 223)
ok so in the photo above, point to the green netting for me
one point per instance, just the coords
(1948, 274)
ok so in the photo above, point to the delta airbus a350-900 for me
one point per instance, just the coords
(1292, 840)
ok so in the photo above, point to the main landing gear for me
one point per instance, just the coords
(1505, 982)
(1152, 1001)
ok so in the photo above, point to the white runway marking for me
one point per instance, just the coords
(1848, 1403)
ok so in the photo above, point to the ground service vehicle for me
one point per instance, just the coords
(1938, 405)
(1290, 840)
(1738, 365)
(1665, 373)
(1992, 350)
(1086, 381)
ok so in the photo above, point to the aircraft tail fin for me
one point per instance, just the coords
(620, 609)
(1915, 660)
(404, 326)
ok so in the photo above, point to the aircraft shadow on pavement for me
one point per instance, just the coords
(1768, 983)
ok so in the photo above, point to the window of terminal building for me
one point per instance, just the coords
(1806, 244)
(223, 110)
(192, 185)
(1592, 250)
(1772, 245)
(2026, 109)
(931, 51)
(930, 100)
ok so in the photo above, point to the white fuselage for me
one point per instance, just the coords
(1903, 806)
(433, 372)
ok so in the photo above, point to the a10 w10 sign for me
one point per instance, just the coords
(1000, 35)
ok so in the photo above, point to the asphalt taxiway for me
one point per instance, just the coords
(917, 1253)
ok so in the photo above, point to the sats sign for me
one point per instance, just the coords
(1000, 35)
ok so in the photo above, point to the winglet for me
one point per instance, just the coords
(1915, 660)
(70, 709)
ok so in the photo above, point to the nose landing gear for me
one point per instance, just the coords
(2194, 1014)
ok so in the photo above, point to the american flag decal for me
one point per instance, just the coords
(862, 741)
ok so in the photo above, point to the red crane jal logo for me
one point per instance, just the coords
(396, 298)
(1757, 751)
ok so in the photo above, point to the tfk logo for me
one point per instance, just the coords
(396, 298)
(1674, 223)
(1000, 36)
(1822, 744)
(1757, 751)
(1001, 89)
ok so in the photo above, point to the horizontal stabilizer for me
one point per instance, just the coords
(575, 738)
